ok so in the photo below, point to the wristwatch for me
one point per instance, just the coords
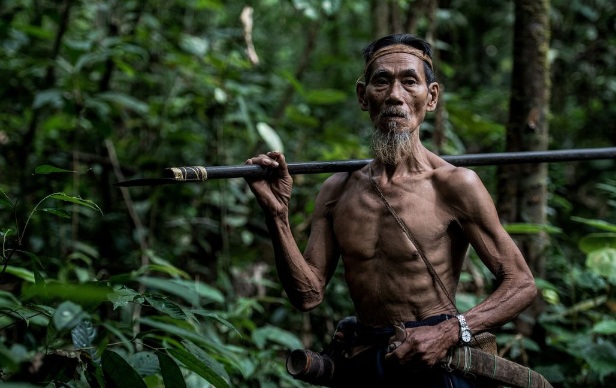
(465, 332)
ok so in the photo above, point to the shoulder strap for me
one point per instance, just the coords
(408, 234)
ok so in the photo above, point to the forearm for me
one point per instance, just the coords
(510, 298)
(302, 285)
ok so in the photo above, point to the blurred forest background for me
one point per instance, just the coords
(175, 285)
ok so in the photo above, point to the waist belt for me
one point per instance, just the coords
(377, 334)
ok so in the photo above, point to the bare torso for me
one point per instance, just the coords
(387, 279)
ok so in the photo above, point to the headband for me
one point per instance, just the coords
(398, 48)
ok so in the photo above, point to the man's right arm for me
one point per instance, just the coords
(303, 276)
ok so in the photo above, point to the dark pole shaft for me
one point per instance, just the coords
(199, 174)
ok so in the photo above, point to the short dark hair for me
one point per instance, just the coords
(407, 39)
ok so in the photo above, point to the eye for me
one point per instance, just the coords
(409, 81)
(380, 81)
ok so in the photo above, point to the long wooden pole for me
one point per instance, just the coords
(201, 174)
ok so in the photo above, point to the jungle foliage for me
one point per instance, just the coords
(175, 285)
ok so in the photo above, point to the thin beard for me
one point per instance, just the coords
(391, 147)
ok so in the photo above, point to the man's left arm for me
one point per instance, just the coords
(480, 224)
(515, 289)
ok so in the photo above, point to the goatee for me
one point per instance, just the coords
(391, 147)
(393, 143)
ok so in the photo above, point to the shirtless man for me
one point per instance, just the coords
(445, 208)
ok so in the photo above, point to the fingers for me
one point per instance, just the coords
(272, 159)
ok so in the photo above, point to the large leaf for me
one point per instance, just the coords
(169, 369)
(118, 373)
(206, 369)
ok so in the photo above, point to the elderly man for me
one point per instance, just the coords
(402, 226)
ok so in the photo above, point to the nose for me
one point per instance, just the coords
(394, 97)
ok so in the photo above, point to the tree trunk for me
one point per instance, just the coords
(522, 188)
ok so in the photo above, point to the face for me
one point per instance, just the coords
(396, 95)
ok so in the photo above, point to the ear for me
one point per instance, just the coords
(434, 90)
(360, 89)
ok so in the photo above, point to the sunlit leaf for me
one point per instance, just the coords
(596, 241)
(603, 263)
(270, 137)
(21, 273)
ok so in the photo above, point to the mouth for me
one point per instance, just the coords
(389, 113)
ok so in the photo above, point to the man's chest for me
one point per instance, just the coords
(365, 227)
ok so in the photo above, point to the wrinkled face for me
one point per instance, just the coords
(396, 94)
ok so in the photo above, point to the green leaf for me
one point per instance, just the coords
(125, 101)
(277, 335)
(270, 137)
(47, 169)
(166, 306)
(174, 329)
(206, 369)
(600, 357)
(209, 314)
(603, 263)
(68, 315)
(596, 241)
(58, 212)
(145, 363)
(606, 327)
(527, 228)
(599, 224)
(22, 273)
(169, 369)
(325, 96)
(119, 373)
(76, 200)
(206, 359)
(122, 297)
(190, 291)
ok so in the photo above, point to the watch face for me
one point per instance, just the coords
(466, 336)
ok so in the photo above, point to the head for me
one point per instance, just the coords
(397, 90)
(405, 39)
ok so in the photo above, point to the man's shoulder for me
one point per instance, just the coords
(458, 184)
(460, 177)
